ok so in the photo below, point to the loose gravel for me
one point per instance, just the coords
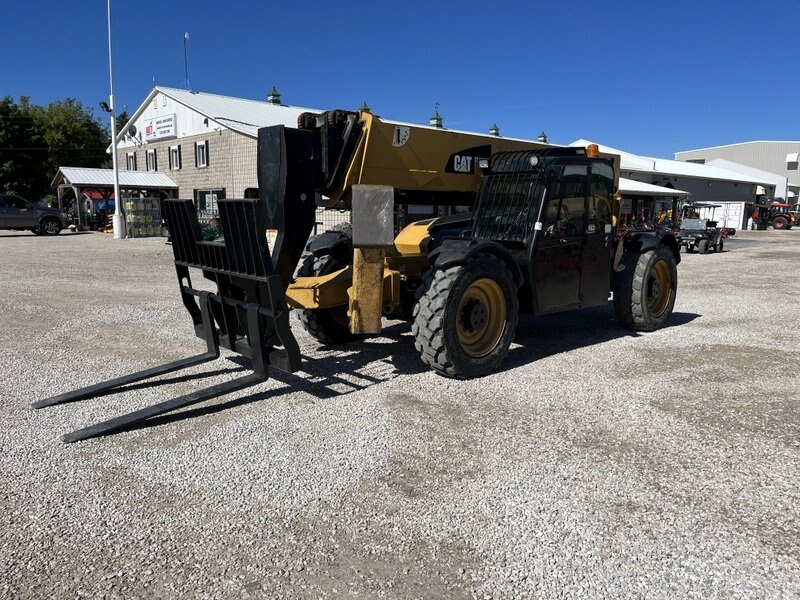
(598, 463)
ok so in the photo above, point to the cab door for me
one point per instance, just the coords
(20, 214)
(557, 259)
(597, 252)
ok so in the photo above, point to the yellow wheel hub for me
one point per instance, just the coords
(481, 317)
(659, 288)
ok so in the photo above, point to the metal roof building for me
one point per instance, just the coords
(202, 112)
(777, 157)
(639, 188)
(778, 181)
(206, 143)
(659, 168)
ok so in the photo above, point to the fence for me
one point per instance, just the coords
(327, 218)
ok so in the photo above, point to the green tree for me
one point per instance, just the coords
(122, 120)
(22, 151)
(36, 140)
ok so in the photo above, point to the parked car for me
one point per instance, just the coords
(700, 234)
(19, 214)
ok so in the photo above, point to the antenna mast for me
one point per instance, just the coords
(186, 60)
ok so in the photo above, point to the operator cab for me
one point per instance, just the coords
(552, 210)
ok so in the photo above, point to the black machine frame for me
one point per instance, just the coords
(248, 313)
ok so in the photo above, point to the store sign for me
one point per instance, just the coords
(160, 127)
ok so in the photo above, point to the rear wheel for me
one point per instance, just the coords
(702, 246)
(50, 227)
(780, 223)
(644, 291)
(465, 318)
(327, 325)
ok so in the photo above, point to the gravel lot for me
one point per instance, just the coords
(599, 463)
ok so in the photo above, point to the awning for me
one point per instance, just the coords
(792, 157)
(103, 178)
(640, 188)
(82, 179)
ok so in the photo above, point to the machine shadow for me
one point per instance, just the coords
(333, 371)
(547, 335)
(337, 370)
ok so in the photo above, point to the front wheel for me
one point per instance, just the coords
(644, 291)
(720, 246)
(50, 227)
(465, 318)
(326, 325)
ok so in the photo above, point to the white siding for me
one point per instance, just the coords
(765, 155)
(188, 122)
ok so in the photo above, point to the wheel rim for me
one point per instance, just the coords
(50, 226)
(481, 317)
(659, 288)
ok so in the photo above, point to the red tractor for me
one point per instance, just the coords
(782, 215)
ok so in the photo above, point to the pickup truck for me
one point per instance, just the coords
(19, 214)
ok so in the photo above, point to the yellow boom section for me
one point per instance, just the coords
(419, 158)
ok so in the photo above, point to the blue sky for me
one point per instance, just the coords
(644, 76)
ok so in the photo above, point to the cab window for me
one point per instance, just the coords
(601, 194)
(566, 210)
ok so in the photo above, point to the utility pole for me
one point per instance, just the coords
(118, 219)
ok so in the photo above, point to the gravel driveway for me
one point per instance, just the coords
(597, 464)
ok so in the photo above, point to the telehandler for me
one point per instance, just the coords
(523, 227)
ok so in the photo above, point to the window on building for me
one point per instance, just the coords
(698, 161)
(152, 160)
(174, 158)
(131, 160)
(201, 154)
